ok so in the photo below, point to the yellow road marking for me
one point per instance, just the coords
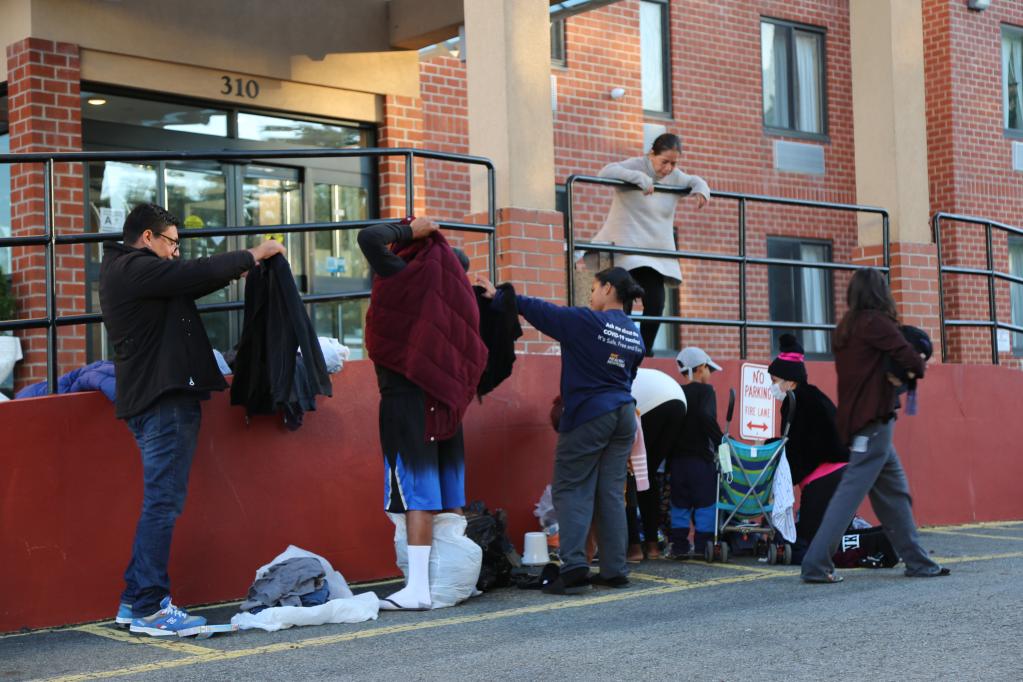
(741, 567)
(649, 577)
(978, 524)
(175, 645)
(669, 586)
(964, 534)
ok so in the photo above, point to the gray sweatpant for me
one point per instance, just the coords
(589, 485)
(876, 470)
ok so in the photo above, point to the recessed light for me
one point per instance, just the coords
(96, 101)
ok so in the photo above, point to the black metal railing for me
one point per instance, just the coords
(50, 240)
(988, 272)
(742, 322)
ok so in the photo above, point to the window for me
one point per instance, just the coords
(792, 59)
(801, 294)
(1016, 290)
(655, 56)
(558, 42)
(5, 188)
(1012, 77)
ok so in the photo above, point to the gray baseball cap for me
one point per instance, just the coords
(692, 357)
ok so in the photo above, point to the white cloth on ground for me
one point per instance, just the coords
(343, 606)
(782, 516)
(335, 354)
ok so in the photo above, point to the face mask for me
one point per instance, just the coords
(776, 392)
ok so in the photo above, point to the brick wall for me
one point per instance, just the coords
(970, 156)
(44, 109)
(716, 103)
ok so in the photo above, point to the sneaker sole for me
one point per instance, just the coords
(152, 632)
(122, 623)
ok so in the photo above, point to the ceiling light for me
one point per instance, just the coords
(96, 101)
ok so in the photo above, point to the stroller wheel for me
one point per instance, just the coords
(786, 557)
(772, 553)
(724, 552)
(708, 552)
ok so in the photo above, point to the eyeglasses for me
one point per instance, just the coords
(176, 243)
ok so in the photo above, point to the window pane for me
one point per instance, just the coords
(1016, 290)
(153, 114)
(651, 36)
(301, 133)
(558, 42)
(1012, 73)
(815, 297)
(808, 82)
(272, 196)
(800, 294)
(5, 198)
(774, 59)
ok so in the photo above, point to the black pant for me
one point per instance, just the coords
(662, 427)
(653, 302)
(813, 501)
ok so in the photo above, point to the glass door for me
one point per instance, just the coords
(272, 195)
(337, 265)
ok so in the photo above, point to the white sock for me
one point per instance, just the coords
(419, 573)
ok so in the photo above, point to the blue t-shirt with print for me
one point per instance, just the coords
(600, 353)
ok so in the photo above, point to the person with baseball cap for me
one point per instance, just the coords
(693, 474)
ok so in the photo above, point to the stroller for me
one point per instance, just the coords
(744, 494)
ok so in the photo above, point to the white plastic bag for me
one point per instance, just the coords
(335, 354)
(455, 560)
(544, 510)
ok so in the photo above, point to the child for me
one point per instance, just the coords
(693, 472)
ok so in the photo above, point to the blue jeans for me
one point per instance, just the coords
(166, 434)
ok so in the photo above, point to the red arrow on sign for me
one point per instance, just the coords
(751, 426)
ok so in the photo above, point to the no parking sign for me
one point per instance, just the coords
(756, 404)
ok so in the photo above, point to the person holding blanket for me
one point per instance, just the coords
(601, 350)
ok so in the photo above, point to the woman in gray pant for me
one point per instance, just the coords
(867, 336)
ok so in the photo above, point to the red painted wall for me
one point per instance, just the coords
(70, 482)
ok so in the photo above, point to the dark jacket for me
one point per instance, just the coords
(99, 376)
(268, 377)
(813, 436)
(864, 393)
(499, 328)
(701, 433)
(159, 342)
(423, 324)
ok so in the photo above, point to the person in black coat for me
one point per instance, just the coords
(164, 367)
(815, 452)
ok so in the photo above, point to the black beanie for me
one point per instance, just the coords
(789, 363)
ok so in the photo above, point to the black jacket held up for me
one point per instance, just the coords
(276, 327)
(159, 342)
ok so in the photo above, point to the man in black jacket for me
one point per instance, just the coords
(164, 367)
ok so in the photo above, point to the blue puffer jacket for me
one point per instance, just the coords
(99, 376)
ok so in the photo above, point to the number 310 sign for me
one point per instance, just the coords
(756, 405)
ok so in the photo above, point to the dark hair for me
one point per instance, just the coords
(147, 217)
(666, 142)
(625, 287)
(868, 290)
(462, 258)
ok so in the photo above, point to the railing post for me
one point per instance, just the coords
(51, 277)
(886, 248)
(569, 241)
(492, 219)
(742, 281)
(936, 221)
(992, 301)
(410, 183)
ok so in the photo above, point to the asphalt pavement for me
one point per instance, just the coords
(677, 620)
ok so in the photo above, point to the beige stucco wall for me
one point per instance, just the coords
(15, 24)
(889, 117)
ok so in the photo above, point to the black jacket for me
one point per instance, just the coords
(276, 327)
(499, 330)
(813, 436)
(159, 342)
(701, 433)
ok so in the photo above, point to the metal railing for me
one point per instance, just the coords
(742, 322)
(50, 240)
(989, 272)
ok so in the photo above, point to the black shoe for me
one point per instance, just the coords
(575, 581)
(617, 582)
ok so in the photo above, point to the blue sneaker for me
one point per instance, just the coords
(168, 621)
(124, 617)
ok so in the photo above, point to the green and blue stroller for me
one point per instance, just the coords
(743, 503)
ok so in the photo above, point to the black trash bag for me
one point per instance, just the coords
(490, 532)
(866, 548)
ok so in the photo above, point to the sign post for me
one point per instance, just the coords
(756, 405)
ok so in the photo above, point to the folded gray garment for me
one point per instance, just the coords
(285, 583)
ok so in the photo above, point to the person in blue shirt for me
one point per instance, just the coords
(601, 349)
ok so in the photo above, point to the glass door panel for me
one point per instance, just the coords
(273, 196)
